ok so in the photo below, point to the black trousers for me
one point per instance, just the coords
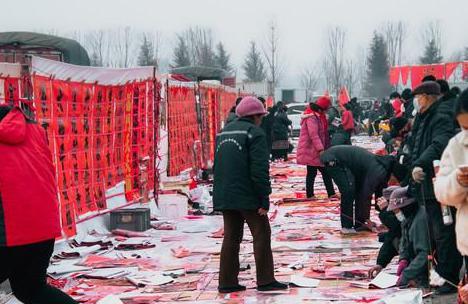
(345, 182)
(310, 181)
(233, 234)
(444, 242)
(26, 267)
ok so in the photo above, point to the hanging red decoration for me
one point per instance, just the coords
(394, 75)
(450, 68)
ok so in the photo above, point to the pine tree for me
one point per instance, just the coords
(181, 54)
(377, 84)
(431, 53)
(146, 56)
(466, 53)
(254, 68)
(222, 58)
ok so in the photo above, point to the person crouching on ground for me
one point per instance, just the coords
(241, 192)
(414, 244)
(313, 140)
(391, 238)
(29, 212)
(451, 183)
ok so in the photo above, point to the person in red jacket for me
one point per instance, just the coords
(29, 213)
(347, 122)
(397, 104)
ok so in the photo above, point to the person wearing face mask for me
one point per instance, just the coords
(241, 192)
(451, 184)
(414, 243)
(432, 130)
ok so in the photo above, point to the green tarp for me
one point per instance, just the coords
(72, 51)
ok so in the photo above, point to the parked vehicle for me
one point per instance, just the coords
(295, 111)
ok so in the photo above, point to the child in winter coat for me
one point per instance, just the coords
(414, 244)
(451, 184)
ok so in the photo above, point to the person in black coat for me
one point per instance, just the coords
(241, 192)
(358, 174)
(448, 101)
(232, 113)
(431, 133)
(280, 133)
(407, 99)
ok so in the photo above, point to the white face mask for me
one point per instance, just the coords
(416, 105)
(400, 216)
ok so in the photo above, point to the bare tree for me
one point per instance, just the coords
(310, 79)
(122, 45)
(334, 61)
(272, 56)
(395, 34)
(94, 40)
(200, 44)
(350, 78)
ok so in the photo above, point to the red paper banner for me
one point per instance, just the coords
(85, 125)
(450, 68)
(404, 70)
(394, 75)
(465, 70)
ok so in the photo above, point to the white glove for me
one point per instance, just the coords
(418, 174)
(435, 279)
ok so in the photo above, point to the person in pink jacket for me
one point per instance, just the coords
(313, 140)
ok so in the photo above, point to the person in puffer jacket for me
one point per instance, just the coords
(313, 140)
(451, 183)
(29, 213)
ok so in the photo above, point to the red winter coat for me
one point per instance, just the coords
(347, 120)
(28, 193)
(312, 140)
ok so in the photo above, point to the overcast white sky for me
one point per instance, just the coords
(302, 23)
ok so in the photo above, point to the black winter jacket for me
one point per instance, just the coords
(371, 172)
(391, 239)
(414, 247)
(431, 133)
(241, 168)
(281, 123)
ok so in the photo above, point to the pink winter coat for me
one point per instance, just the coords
(312, 140)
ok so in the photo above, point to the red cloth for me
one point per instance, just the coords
(394, 75)
(404, 70)
(312, 139)
(347, 120)
(450, 68)
(27, 183)
(396, 104)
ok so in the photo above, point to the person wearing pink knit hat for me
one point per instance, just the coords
(241, 192)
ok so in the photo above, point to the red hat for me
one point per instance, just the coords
(323, 102)
(249, 106)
